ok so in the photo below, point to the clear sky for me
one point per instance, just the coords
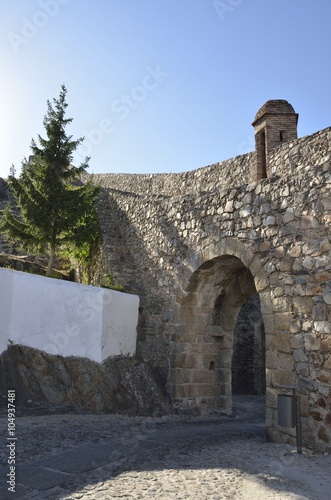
(160, 85)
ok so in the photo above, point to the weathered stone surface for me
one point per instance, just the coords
(312, 343)
(119, 385)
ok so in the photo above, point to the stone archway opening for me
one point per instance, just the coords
(202, 350)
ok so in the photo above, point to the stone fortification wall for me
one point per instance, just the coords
(303, 152)
(234, 171)
(270, 236)
(283, 160)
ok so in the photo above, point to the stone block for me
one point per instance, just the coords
(313, 289)
(271, 417)
(278, 291)
(285, 264)
(177, 360)
(303, 305)
(282, 321)
(265, 246)
(285, 361)
(227, 320)
(225, 358)
(283, 377)
(269, 323)
(322, 326)
(295, 251)
(254, 265)
(324, 376)
(266, 303)
(270, 220)
(288, 215)
(211, 349)
(184, 314)
(302, 369)
(271, 359)
(281, 304)
(203, 377)
(182, 376)
(319, 312)
(271, 400)
(224, 376)
(179, 347)
(295, 326)
(324, 389)
(229, 206)
(308, 222)
(322, 276)
(312, 343)
(307, 326)
(274, 279)
(184, 391)
(261, 282)
(191, 361)
(308, 262)
(304, 404)
(224, 403)
(300, 356)
(297, 341)
(268, 376)
(327, 204)
(184, 337)
(279, 252)
(205, 390)
(226, 390)
(327, 298)
(327, 363)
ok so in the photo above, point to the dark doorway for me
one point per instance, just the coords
(248, 359)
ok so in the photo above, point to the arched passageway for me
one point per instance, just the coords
(203, 347)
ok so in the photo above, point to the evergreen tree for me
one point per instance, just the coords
(57, 211)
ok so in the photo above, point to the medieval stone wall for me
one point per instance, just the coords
(232, 172)
(284, 160)
(231, 237)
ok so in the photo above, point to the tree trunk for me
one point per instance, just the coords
(50, 262)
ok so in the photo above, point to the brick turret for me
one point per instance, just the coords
(275, 123)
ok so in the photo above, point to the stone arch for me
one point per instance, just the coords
(201, 350)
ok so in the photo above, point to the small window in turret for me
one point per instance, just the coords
(281, 136)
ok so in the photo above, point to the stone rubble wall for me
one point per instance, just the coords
(304, 152)
(121, 384)
(287, 158)
(234, 171)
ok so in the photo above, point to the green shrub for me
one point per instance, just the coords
(109, 283)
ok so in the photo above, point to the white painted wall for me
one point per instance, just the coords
(70, 319)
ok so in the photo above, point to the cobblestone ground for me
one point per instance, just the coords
(167, 458)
